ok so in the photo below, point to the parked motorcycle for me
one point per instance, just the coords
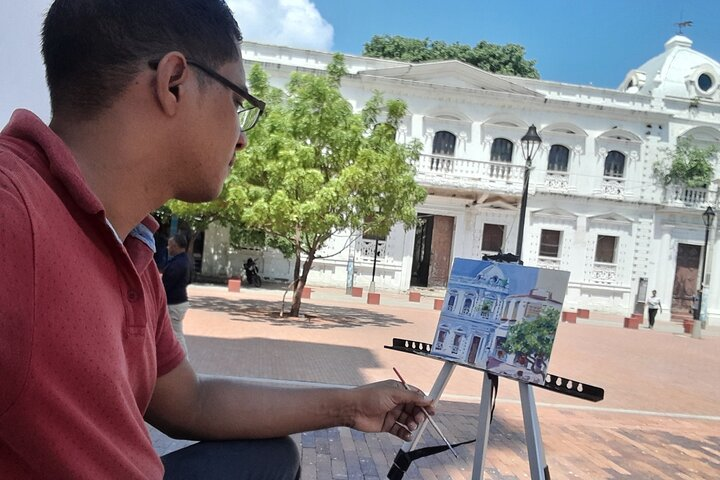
(252, 273)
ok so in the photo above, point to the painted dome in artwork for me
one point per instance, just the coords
(493, 276)
(679, 72)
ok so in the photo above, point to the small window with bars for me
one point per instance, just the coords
(492, 238)
(606, 249)
(550, 243)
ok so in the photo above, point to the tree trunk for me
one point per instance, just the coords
(297, 295)
(296, 272)
(191, 242)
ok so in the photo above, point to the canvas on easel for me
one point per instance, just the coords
(501, 317)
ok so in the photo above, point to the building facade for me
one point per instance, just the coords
(596, 207)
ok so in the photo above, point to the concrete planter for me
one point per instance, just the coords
(438, 304)
(569, 317)
(373, 299)
(632, 322)
(414, 296)
(306, 292)
(234, 285)
(583, 313)
(356, 291)
(688, 325)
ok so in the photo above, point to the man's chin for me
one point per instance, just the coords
(199, 196)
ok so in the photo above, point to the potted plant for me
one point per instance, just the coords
(687, 165)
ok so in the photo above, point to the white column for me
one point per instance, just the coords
(664, 272)
(713, 266)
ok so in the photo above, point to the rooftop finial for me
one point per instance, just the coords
(681, 25)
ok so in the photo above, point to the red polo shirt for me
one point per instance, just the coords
(84, 331)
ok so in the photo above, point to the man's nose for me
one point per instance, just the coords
(242, 141)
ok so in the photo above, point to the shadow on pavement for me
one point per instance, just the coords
(314, 316)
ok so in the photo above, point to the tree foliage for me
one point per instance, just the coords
(534, 337)
(687, 164)
(314, 168)
(504, 59)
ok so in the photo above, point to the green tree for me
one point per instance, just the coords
(534, 338)
(687, 164)
(314, 168)
(196, 216)
(504, 59)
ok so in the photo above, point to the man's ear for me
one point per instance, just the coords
(172, 74)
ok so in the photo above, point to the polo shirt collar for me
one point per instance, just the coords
(26, 126)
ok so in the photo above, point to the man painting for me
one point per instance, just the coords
(149, 103)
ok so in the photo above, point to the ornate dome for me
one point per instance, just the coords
(679, 72)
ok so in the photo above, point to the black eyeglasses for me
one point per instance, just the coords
(249, 109)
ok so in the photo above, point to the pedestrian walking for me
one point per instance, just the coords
(654, 305)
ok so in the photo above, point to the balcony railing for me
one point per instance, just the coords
(604, 273)
(365, 249)
(687, 197)
(557, 181)
(549, 263)
(613, 187)
(438, 169)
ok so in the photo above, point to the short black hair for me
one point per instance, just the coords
(180, 240)
(93, 49)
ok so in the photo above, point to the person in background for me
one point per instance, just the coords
(654, 305)
(161, 251)
(175, 279)
(149, 103)
(695, 308)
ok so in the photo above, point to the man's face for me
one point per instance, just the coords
(215, 136)
(173, 248)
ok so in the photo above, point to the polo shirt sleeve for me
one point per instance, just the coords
(17, 271)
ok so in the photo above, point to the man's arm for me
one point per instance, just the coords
(186, 405)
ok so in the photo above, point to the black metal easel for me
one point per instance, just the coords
(533, 439)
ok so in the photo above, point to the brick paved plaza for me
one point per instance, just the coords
(660, 418)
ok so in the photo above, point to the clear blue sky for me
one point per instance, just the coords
(573, 41)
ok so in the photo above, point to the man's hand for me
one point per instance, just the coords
(388, 407)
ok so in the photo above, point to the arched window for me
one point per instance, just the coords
(444, 143)
(502, 150)
(558, 159)
(466, 306)
(615, 164)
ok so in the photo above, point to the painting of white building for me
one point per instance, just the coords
(486, 303)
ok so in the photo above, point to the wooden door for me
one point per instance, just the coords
(440, 251)
(686, 277)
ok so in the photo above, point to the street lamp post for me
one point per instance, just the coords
(530, 144)
(375, 255)
(708, 217)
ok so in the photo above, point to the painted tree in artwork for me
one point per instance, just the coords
(534, 338)
(315, 168)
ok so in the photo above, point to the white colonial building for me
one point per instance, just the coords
(595, 207)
